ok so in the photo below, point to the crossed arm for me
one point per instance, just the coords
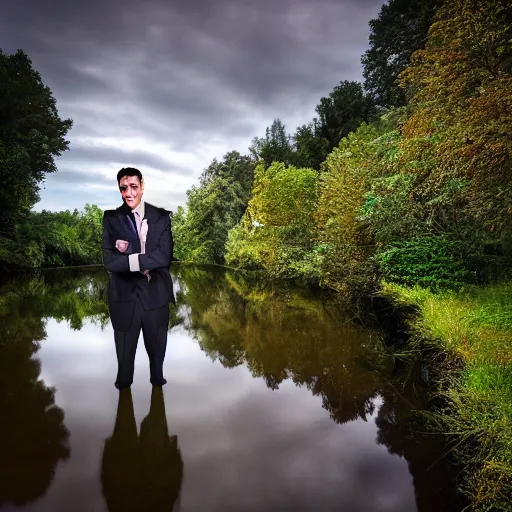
(115, 261)
(162, 255)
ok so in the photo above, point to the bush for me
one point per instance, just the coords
(276, 231)
(430, 261)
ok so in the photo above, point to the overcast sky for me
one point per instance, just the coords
(168, 85)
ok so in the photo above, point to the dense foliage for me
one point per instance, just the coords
(214, 207)
(400, 29)
(276, 231)
(49, 239)
(457, 142)
(31, 136)
(345, 242)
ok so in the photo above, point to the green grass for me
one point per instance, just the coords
(473, 325)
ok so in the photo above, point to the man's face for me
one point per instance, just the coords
(131, 190)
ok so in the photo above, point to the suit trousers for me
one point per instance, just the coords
(154, 323)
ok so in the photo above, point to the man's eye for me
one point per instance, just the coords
(123, 188)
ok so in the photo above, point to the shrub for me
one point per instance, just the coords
(430, 261)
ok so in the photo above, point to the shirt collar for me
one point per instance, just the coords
(140, 209)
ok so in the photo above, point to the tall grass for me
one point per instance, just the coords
(473, 325)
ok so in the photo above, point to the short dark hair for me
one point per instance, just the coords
(128, 171)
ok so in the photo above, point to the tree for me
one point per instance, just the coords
(457, 140)
(343, 111)
(234, 167)
(311, 148)
(400, 29)
(179, 233)
(90, 227)
(345, 247)
(55, 239)
(31, 136)
(213, 208)
(276, 230)
(275, 147)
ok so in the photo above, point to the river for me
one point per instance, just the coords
(273, 402)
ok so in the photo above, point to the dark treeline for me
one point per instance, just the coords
(49, 239)
(32, 135)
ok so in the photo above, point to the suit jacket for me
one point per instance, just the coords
(125, 286)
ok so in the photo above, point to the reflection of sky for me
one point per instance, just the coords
(244, 446)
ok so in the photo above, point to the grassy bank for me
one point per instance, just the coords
(473, 328)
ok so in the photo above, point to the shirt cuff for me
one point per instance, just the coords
(133, 260)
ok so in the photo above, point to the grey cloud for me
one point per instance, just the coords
(187, 73)
(68, 196)
(264, 59)
(68, 191)
(258, 53)
(68, 177)
(133, 158)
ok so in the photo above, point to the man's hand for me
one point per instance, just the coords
(122, 245)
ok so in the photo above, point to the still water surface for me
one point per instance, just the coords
(272, 403)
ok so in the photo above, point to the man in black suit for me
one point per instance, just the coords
(137, 253)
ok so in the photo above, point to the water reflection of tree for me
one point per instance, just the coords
(76, 295)
(278, 334)
(404, 432)
(284, 334)
(33, 437)
(145, 472)
(32, 432)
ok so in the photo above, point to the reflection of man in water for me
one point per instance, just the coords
(141, 473)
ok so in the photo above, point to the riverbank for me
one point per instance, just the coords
(473, 330)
